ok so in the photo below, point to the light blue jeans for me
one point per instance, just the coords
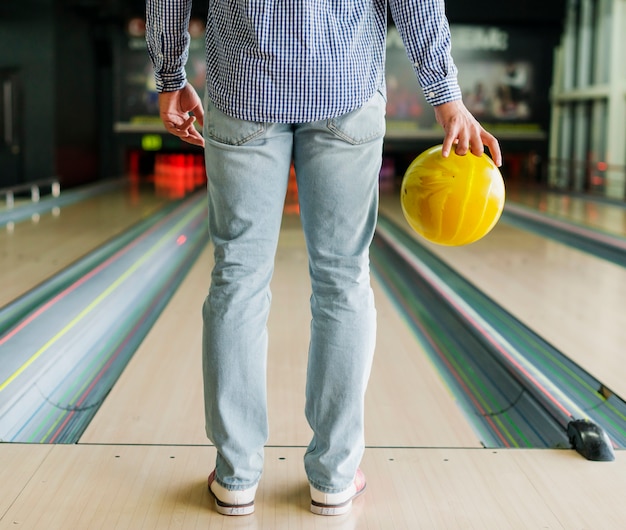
(337, 164)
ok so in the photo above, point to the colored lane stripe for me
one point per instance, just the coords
(102, 296)
(19, 310)
(491, 414)
(91, 381)
(93, 272)
(548, 360)
(540, 382)
(579, 388)
(481, 399)
(110, 354)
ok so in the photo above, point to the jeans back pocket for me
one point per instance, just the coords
(228, 130)
(363, 124)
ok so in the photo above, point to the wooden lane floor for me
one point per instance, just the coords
(157, 487)
(34, 250)
(570, 298)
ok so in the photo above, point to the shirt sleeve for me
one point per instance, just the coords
(167, 37)
(425, 32)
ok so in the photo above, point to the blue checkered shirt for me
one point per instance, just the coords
(301, 60)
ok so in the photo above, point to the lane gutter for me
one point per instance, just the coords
(530, 394)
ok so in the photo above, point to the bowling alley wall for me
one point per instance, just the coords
(77, 83)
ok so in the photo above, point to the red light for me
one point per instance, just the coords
(596, 180)
(181, 240)
(602, 166)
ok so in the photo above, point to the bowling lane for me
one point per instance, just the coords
(33, 250)
(597, 213)
(572, 299)
(158, 399)
(63, 357)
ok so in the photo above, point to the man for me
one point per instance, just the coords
(299, 81)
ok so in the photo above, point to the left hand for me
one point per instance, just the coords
(463, 130)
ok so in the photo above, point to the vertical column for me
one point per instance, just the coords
(602, 42)
(562, 144)
(616, 142)
(581, 145)
(569, 47)
(597, 146)
(580, 151)
(600, 77)
(556, 112)
(585, 44)
(565, 146)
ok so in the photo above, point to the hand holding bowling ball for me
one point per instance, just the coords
(452, 201)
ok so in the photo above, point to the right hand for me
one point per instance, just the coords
(464, 133)
(175, 108)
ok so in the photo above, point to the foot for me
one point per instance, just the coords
(337, 503)
(231, 502)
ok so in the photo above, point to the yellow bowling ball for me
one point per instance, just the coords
(452, 201)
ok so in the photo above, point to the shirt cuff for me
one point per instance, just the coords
(443, 91)
(170, 82)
